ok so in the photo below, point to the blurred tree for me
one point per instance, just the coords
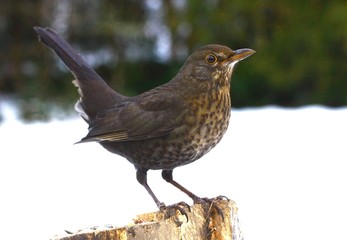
(16, 48)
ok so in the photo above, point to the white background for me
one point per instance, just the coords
(285, 168)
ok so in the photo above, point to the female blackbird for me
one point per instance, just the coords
(166, 127)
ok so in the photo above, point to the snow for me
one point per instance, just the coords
(285, 168)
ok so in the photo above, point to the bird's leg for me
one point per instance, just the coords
(167, 176)
(141, 175)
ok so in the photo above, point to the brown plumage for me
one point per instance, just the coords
(166, 127)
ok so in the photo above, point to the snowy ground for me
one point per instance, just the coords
(285, 168)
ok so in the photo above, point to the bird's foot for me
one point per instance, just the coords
(210, 204)
(172, 209)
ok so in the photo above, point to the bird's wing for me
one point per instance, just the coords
(146, 116)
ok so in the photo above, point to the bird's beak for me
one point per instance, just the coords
(241, 54)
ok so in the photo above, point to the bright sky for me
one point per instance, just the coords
(285, 168)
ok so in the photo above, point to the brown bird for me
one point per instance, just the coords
(166, 127)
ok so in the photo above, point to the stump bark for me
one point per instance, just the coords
(215, 220)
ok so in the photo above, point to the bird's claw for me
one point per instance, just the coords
(210, 202)
(222, 197)
(178, 206)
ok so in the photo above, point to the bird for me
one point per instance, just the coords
(166, 127)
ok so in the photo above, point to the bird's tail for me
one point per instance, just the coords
(95, 94)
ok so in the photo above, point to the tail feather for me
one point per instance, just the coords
(95, 94)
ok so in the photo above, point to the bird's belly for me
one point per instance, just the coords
(158, 153)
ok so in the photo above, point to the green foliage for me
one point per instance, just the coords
(301, 47)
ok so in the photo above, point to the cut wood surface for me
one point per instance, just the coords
(216, 220)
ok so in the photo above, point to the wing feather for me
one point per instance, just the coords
(149, 115)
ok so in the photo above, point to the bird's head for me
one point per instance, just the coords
(213, 64)
(214, 61)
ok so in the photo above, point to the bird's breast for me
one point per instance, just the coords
(208, 120)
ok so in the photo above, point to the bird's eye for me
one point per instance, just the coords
(211, 58)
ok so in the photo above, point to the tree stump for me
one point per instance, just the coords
(215, 220)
